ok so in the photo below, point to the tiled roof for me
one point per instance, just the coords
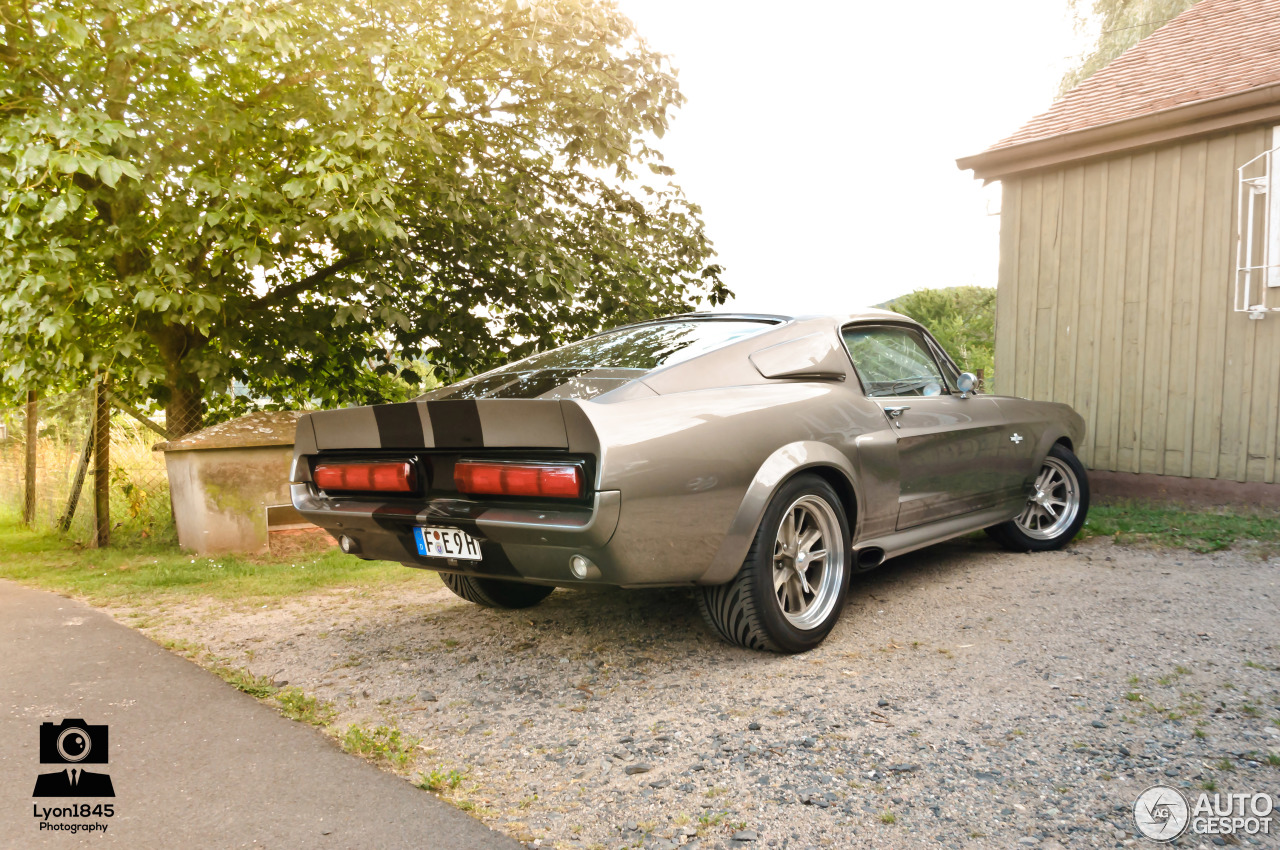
(1215, 48)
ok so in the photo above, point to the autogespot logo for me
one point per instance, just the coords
(1162, 813)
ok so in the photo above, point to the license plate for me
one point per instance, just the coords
(447, 543)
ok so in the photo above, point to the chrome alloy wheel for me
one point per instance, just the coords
(808, 562)
(1054, 501)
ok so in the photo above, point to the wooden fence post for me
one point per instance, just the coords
(102, 460)
(29, 491)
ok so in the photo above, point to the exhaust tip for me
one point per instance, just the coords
(582, 568)
(347, 545)
(872, 556)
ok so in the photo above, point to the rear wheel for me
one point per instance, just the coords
(791, 589)
(1056, 509)
(496, 593)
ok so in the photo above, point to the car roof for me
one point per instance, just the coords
(861, 314)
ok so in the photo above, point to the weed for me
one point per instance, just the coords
(1133, 696)
(440, 780)
(383, 743)
(254, 686)
(297, 705)
(185, 648)
(888, 817)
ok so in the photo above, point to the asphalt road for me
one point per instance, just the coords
(194, 763)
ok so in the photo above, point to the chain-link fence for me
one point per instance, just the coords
(60, 451)
(57, 451)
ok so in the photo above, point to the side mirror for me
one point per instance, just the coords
(967, 383)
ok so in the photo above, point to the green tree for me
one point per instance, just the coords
(962, 319)
(1122, 24)
(307, 196)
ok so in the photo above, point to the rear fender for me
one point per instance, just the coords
(777, 468)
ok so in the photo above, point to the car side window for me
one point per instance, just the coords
(893, 361)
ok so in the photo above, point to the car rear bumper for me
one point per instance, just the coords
(531, 544)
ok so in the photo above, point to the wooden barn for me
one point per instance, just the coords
(1140, 256)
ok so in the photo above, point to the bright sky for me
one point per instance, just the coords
(820, 136)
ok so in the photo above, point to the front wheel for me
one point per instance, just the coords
(1056, 509)
(789, 593)
(496, 593)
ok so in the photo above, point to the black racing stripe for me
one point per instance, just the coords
(455, 424)
(394, 517)
(399, 426)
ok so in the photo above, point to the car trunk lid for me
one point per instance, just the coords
(446, 424)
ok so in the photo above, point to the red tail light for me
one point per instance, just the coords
(551, 480)
(383, 477)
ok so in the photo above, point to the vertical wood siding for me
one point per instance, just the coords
(1115, 296)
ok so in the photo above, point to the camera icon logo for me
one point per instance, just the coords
(73, 743)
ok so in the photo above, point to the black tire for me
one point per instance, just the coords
(748, 611)
(1014, 535)
(496, 593)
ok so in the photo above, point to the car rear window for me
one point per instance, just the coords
(644, 346)
(596, 365)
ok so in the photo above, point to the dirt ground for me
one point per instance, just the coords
(968, 698)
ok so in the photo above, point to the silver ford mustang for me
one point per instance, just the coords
(759, 459)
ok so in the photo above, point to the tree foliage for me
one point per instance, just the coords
(306, 197)
(1122, 24)
(962, 319)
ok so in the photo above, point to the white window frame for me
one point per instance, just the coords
(1258, 232)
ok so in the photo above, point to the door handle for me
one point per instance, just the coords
(895, 412)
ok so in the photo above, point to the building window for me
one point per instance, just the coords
(1258, 246)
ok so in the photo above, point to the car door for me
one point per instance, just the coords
(948, 444)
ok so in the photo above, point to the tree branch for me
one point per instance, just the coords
(284, 293)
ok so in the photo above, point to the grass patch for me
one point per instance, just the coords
(440, 780)
(149, 569)
(380, 744)
(1201, 530)
(259, 687)
(297, 705)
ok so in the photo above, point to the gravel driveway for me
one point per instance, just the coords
(968, 698)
